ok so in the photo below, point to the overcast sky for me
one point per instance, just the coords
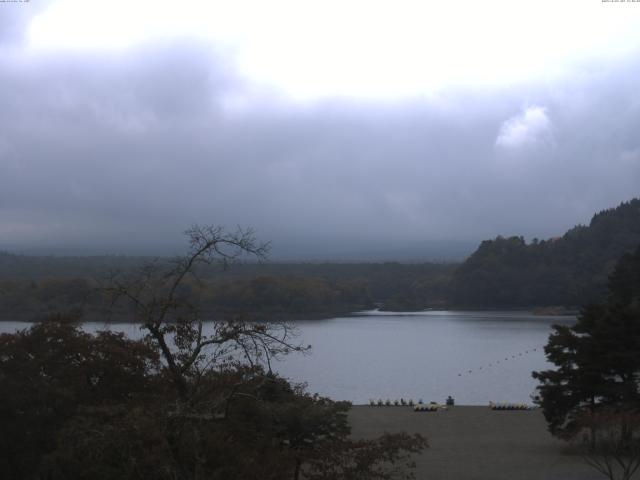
(327, 126)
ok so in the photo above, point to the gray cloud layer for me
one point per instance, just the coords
(114, 149)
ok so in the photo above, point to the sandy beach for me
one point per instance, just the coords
(476, 443)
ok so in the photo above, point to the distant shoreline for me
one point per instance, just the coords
(33, 317)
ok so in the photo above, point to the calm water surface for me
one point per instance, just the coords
(473, 356)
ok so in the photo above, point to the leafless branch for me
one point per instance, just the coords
(174, 324)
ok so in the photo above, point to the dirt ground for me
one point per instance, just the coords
(476, 443)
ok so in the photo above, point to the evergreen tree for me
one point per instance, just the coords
(598, 358)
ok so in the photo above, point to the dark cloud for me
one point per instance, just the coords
(129, 148)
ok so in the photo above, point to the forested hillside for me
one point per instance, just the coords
(570, 270)
(33, 286)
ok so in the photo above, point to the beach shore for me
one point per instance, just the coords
(476, 443)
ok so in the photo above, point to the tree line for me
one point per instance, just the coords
(255, 289)
(571, 270)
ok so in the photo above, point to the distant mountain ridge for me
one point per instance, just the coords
(571, 270)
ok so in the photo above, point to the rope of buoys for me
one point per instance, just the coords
(497, 362)
(417, 407)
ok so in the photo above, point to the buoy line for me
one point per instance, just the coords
(497, 362)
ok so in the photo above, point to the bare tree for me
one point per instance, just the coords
(612, 444)
(173, 321)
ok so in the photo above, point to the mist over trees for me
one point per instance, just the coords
(568, 271)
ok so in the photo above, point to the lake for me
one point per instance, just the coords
(475, 357)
